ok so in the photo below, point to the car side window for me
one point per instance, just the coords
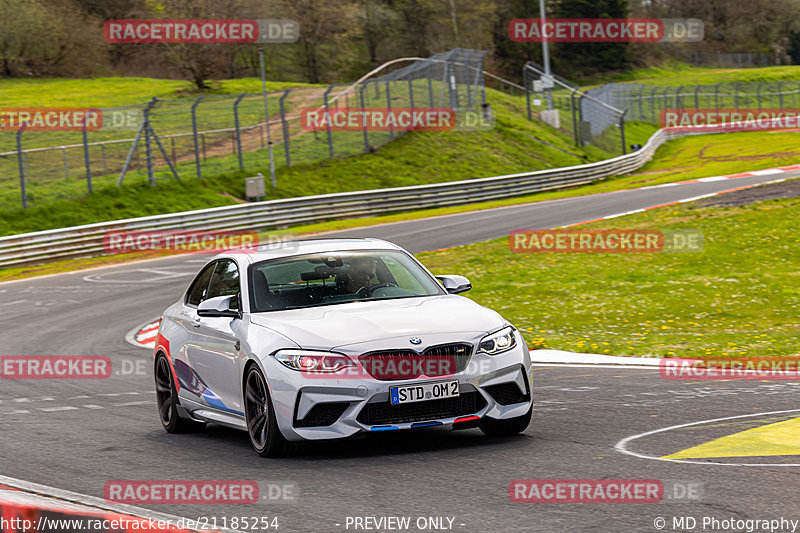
(199, 289)
(225, 281)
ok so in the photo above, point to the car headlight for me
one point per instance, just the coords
(498, 342)
(311, 361)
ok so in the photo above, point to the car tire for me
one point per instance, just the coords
(510, 426)
(167, 400)
(262, 425)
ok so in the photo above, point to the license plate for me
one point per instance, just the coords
(423, 391)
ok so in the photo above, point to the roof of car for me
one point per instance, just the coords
(271, 250)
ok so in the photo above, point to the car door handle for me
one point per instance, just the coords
(196, 322)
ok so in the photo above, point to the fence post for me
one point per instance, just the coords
(285, 127)
(527, 92)
(678, 97)
(580, 120)
(21, 162)
(758, 95)
(430, 84)
(238, 131)
(471, 101)
(364, 118)
(716, 95)
(86, 159)
(389, 106)
(780, 94)
(148, 154)
(622, 130)
(574, 118)
(452, 86)
(410, 95)
(697, 97)
(328, 111)
(194, 136)
(64, 159)
(641, 97)
(736, 95)
(653, 103)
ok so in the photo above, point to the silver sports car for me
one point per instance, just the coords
(323, 339)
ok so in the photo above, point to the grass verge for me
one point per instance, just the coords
(674, 74)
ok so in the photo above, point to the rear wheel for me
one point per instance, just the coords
(508, 426)
(167, 400)
(262, 426)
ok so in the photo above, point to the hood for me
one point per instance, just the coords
(328, 327)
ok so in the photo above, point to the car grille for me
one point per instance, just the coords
(378, 413)
(506, 393)
(322, 414)
(436, 361)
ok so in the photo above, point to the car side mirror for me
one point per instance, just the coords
(454, 284)
(219, 306)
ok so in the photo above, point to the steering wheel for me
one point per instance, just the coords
(367, 291)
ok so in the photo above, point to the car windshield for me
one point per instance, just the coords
(327, 279)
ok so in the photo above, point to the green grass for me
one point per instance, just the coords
(675, 74)
(112, 92)
(739, 297)
(713, 155)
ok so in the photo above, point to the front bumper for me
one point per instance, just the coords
(335, 406)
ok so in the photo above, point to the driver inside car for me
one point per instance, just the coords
(360, 275)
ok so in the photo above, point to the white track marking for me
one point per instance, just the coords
(160, 275)
(622, 446)
(560, 357)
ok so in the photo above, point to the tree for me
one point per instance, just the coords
(591, 57)
(511, 56)
(54, 40)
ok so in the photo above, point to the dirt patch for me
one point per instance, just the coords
(786, 189)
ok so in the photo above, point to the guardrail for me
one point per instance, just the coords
(87, 240)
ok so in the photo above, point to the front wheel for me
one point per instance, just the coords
(262, 426)
(167, 400)
(509, 426)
